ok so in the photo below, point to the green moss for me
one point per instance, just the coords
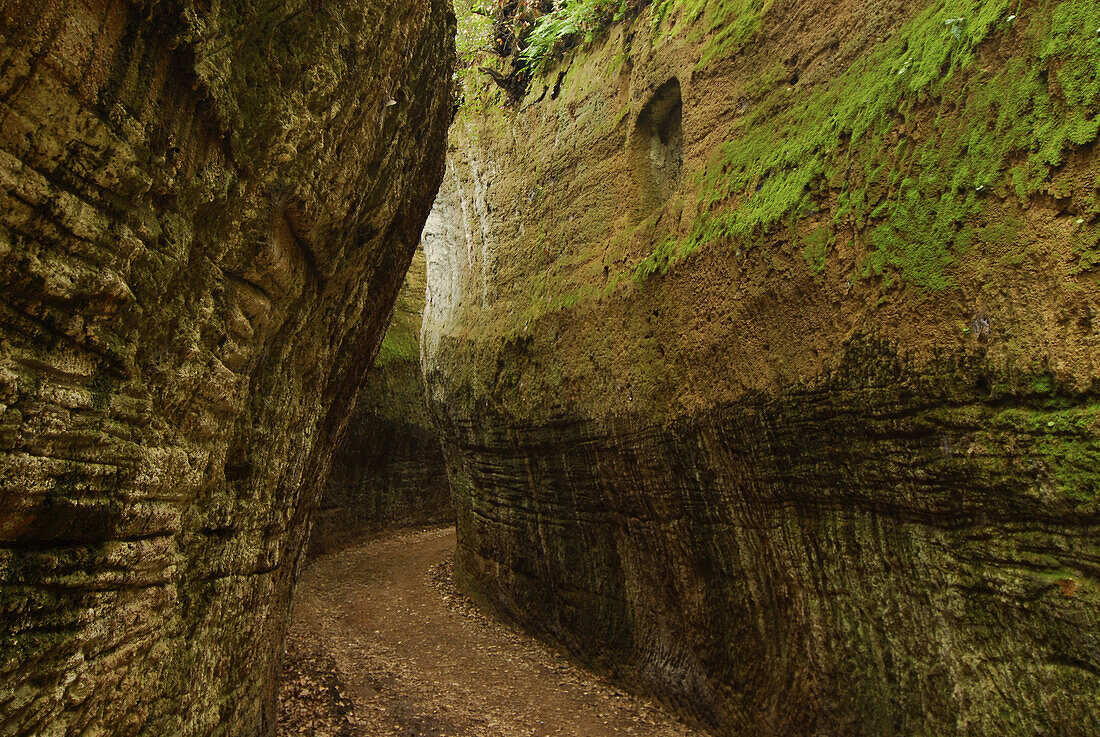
(1042, 384)
(401, 343)
(1058, 432)
(989, 129)
(815, 246)
(660, 260)
(398, 345)
(726, 24)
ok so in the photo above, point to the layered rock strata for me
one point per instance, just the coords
(389, 470)
(762, 337)
(205, 213)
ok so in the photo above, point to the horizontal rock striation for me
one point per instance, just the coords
(389, 471)
(205, 213)
(763, 350)
(843, 559)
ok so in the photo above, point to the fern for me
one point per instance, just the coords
(572, 22)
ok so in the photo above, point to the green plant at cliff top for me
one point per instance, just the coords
(988, 129)
(571, 22)
(472, 37)
(472, 33)
(728, 22)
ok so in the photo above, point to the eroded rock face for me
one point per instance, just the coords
(766, 364)
(205, 213)
(389, 470)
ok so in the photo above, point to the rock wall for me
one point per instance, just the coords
(205, 213)
(389, 470)
(762, 339)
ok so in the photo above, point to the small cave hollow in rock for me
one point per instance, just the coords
(657, 144)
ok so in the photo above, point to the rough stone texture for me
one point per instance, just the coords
(205, 212)
(805, 478)
(389, 470)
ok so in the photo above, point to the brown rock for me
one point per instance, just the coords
(205, 212)
(762, 339)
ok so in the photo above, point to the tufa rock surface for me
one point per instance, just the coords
(389, 470)
(763, 342)
(205, 213)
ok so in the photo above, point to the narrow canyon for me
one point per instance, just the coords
(549, 367)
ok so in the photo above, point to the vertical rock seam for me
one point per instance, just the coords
(205, 213)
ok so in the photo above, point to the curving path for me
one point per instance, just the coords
(381, 645)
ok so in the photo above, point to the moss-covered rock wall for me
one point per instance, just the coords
(205, 213)
(762, 337)
(389, 470)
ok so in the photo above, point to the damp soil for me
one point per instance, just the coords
(381, 643)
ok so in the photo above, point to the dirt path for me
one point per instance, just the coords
(381, 645)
